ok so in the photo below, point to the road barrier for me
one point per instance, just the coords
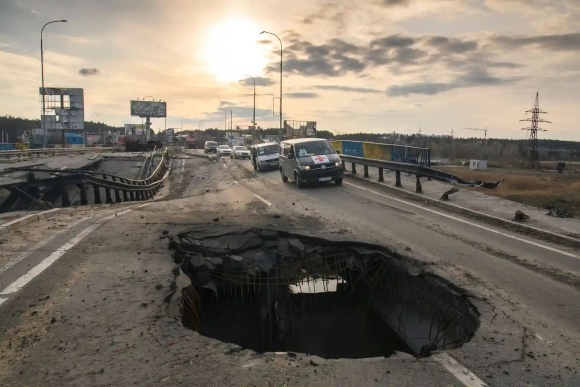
(50, 151)
(386, 152)
(116, 189)
(413, 169)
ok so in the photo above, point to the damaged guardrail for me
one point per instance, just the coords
(50, 151)
(116, 189)
(413, 169)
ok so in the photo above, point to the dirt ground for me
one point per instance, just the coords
(538, 188)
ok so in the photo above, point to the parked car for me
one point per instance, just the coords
(240, 152)
(310, 160)
(224, 150)
(265, 156)
(210, 147)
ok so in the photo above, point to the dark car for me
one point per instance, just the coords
(310, 160)
(210, 147)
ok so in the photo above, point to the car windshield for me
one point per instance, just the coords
(211, 143)
(241, 148)
(224, 147)
(268, 149)
(313, 148)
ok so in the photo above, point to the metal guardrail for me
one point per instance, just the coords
(413, 169)
(116, 189)
(48, 151)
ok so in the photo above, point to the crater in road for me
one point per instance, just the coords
(267, 290)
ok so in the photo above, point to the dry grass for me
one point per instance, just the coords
(534, 188)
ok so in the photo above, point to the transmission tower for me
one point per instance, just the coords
(533, 156)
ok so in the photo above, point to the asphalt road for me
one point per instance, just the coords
(79, 304)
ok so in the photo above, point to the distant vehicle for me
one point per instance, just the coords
(224, 150)
(240, 152)
(210, 147)
(310, 160)
(265, 156)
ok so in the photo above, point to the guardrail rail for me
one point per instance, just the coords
(50, 151)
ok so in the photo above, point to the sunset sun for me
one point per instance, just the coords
(231, 51)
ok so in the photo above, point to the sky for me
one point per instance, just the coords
(378, 66)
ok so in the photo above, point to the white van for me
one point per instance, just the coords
(265, 156)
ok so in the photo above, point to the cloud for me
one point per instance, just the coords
(260, 81)
(226, 103)
(393, 41)
(301, 95)
(347, 89)
(89, 72)
(475, 77)
(453, 45)
(395, 3)
(561, 42)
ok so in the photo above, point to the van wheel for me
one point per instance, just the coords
(338, 181)
(284, 178)
(297, 180)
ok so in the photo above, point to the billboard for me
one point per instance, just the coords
(169, 133)
(134, 129)
(64, 109)
(299, 129)
(148, 109)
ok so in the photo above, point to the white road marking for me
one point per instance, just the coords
(502, 233)
(464, 375)
(2, 300)
(264, 200)
(182, 165)
(19, 258)
(235, 182)
(46, 262)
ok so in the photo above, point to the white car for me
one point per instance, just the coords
(224, 150)
(240, 152)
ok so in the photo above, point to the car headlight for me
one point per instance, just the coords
(306, 168)
(337, 164)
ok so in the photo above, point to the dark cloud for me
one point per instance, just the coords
(260, 81)
(475, 77)
(226, 103)
(89, 72)
(264, 41)
(395, 3)
(562, 42)
(347, 89)
(301, 95)
(451, 45)
(393, 41)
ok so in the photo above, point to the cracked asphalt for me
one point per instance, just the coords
(98, 315)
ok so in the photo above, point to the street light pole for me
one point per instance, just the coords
(281, 128)
(254, 118)
(42, 123)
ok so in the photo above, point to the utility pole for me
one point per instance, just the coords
(533, 156)
(231, 121)
(281, 127)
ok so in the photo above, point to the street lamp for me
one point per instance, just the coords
(281, 128)
(254, 120)
(43, 90)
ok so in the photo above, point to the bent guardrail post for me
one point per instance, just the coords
(117, 193)
(108, 198)
(353, 170)
(398, 179)
(97, 194)
(418, 187)
(366, 168)
(381, 176)
(83, 189)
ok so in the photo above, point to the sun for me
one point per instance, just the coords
(230, 50)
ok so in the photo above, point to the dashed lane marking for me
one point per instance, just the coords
(264, 200)
(502, 233)
(465, 376)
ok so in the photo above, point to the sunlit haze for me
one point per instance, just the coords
(350, 65)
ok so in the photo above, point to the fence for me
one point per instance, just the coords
(387, 152)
